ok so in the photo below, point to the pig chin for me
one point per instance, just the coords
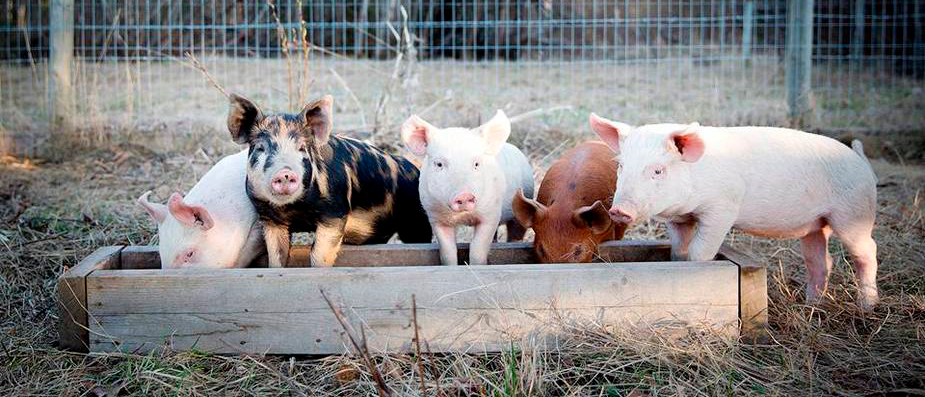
(283, 199)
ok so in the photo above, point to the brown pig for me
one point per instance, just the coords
(569, 215)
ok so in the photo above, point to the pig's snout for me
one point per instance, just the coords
(463, 202)
(622, 215)
(285, 182)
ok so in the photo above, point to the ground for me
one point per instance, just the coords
(78, 194)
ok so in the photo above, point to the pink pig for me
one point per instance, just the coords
(214, 226)
(770, 182)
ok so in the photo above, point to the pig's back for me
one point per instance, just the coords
(584, 174)
(518, 175)
(221, 191)
(789, 174)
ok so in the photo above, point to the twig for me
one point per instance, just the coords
(350, 93)
(21, 21)
(433, 369)
(404, 51)
(196, 64)
(447, 97)
(284, 43)
(417, 342)
(538, 112)
(383, 388)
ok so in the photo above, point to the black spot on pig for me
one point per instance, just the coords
(346, 184)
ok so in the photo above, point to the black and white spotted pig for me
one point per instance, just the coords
(300, 178)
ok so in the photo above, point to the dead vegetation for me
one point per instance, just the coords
(80, 195)
(53, 212)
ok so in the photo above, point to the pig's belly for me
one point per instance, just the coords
(783, 229)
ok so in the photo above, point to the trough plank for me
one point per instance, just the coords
(140, 257)
(146, 257)
(72, 297)
(387, 330)
(753, 294)
(269, 309)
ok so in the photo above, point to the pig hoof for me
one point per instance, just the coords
(813, 297)
(867, 302)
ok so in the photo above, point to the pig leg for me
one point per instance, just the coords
(711, 230)
(859, 243)
(446, 238)
(481, 241)
(328, 238)
(815, 247)
(680, 235)
(515, 232)
(253, 247)
(277, 239)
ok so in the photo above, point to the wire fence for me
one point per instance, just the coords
(718, 62)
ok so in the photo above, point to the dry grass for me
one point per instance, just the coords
(53, 213)
(135, 138)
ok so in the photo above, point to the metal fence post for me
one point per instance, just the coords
(800, 62)
(61, 55)
(857, 43)
(747, 19)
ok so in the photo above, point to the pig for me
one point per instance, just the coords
(214, 226)
(569, 216)
(769, 182)
(301, 178)
(469, 178)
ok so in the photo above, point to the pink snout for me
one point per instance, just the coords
(463, 202)
(285, 182)
(622, 215)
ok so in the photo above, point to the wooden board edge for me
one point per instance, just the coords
(73, 330)
(140, 257)
(753, 294)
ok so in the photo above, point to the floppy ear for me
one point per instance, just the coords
(157, 211)
(189, 215)
(243, 115)
(594, 216)
(495, 132)
(688, 143)
(526, 210)
(317, 117)
(611, 132)
(416, 133)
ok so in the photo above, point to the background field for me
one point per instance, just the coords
(147, 118)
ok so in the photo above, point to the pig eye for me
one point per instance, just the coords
(476, 164)
(659, 170)
(438, 164)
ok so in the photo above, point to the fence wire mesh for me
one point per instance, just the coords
(717, 62)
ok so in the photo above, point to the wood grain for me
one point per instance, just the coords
(461, 308)
(753, 294)
(72, 297)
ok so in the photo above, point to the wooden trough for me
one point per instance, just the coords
(119, 300)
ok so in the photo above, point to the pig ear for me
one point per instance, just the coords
(416, 133)
(495, 132)
(688, 143)
(157, 211)
(594, 216)
(189, 215)
(611, 132)
(318, 120)
(243, 115)
(526, 210)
